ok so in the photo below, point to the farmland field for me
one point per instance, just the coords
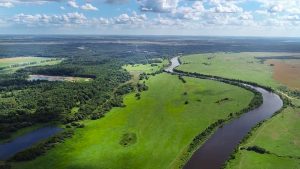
(287, 72)
(244, 66)
(10, 65)
(128, 137)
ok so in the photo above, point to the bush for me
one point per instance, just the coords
(257, 149)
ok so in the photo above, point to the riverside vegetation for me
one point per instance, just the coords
(274, 143)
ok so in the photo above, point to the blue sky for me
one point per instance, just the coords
(146, 17)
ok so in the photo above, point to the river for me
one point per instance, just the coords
(25, 141)
(218, 148)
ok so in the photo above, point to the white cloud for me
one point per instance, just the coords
(12, 3)
(73, 4)
(6, 4)
(276, 8)
(190, 13)
(225, 7)
(182, 15)
(291, 17)
(52, 20)
(246, 16)
(158, 5)
(89, 7)
(130, 19)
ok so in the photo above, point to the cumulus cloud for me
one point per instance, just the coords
(158, 5)
(78, 19)
(227, 8)
(275, 9)
(6, 4)
(190, 13)
(73, 4)
(12, 3)
(291, 17)
(42, 19)
(130, 19)
(246, 16)
(276, 6)
(167, 14)
(89, 7)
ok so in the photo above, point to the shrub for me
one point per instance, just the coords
(257, 149)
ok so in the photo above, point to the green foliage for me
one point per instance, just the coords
(128, 139)
(257, 149)
(25, 103)
(160, 120)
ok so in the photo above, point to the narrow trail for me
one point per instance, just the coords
(218, 148)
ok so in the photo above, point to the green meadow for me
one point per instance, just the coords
(279, 135)
(10, 65)
(243, 66)
(150, 132)
(146, 68)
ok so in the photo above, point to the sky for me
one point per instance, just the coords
(152, 17)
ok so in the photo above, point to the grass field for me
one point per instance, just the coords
(244, 66)
(279, 135)
(148, 133)
(146, 68)
(10, 65)
(137, 69)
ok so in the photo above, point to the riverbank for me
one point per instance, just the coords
(279, 135)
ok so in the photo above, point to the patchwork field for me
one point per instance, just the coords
(277, 142)
(149, 132)
(251, 66)
(10, 65)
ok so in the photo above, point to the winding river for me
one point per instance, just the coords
(217, 149)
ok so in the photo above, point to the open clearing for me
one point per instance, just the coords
(137, 69)
(10, 65)
(146, 68)
(58, 78)
(147, 133)
(279, 135)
